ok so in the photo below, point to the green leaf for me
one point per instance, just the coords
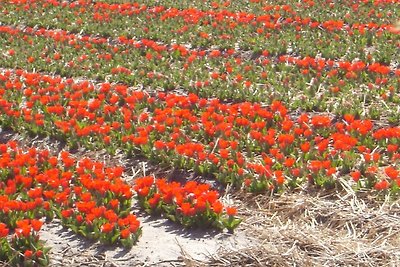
(127, 242)
(115, 237)
(235, 223)
(83, 233)
(73, 227)
(171, 217)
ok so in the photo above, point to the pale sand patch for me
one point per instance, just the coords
(162, 243)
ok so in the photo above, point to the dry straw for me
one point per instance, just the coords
(336, 228)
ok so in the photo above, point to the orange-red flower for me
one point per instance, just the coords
(217, 207)
(355, 175)
(187, 209)
(125, 233)
(3, 230)
(231, 211)
(107, 227)
(392, 172)
(382, 185)
(28, 254)
(36, 224)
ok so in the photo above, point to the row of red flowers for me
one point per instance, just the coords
(264, 147)
(268, 14)
(328, 84)
(91, 41)
(274, 29)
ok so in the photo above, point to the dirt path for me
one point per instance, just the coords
(162, 244)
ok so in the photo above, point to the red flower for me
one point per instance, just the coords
(224, 153)
(231, 211)
(217, 207)
(296, 172)
(143, 192)
(382, 185)
(125, 233)
(3, 230)
(39, 253)
(114, 203)
(46, 205)
(153, 202)
(90, 218)
(305, 147)
(355, 175)
(28, 254)
(331, 171)
(212, 196)
(187, 209)
(289, 162)
(53, 161)
(31, 59)
(107, 227)
(25, 231)
(57, 56)
(280, 179)
(392, 148)
(201, 205)
(134, 226)
(321, 121)
(36, 225)
(67, 213)
(111, 216)
(144, 182)
(79, 218)
(392, 172)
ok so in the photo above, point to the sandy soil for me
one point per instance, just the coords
(295, 229)
(162, 244)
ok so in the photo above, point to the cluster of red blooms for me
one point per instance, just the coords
(334, 66)
(22, 206)
(25, 241)
(96, 202)
(191, 204)
(89, 198)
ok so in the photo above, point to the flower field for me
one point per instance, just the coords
(262, 97)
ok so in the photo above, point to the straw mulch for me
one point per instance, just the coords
(336, 228)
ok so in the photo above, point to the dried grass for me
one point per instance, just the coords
(316, 229)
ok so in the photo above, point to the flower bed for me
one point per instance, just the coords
(327, 84)
(263, 147)
(262, 96)
(85, 196)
